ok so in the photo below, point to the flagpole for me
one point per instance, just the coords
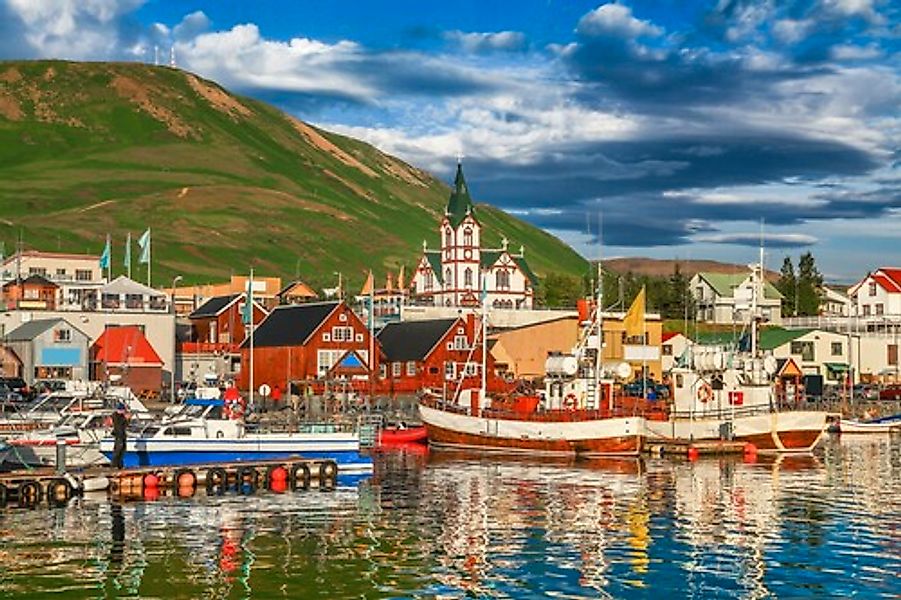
(371, 333)
(250, 324)
(128, 254)
(109, 262)
(149, 259)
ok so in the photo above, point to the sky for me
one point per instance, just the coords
(674, 128)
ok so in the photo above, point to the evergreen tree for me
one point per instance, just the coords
(678, 295)
(810, 286)
(559, 290)
(787, 286)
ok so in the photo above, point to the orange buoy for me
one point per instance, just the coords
(151, 493)
(151, 481)
(279, 485)
(750, 453)
(185, 491)
(186, 479)
(693, 454)
(278, 474)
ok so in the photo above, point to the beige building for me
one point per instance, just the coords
(189, 298)
(639, 354)
(521, 352)
(57, 267)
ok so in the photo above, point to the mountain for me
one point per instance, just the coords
(225, 182)
(654, 267)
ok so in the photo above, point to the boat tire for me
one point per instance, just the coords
(216, 481)
(59, 491)
(300, 476)
(328, 471)
(247, 480)
(29, 493)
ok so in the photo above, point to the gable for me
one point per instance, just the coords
(125, 345)
(413, 340)
(291, 325)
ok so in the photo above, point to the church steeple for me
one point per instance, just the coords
(459, 204)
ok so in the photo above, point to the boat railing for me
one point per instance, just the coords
(552, 415)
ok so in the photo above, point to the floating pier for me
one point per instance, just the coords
(694, 449)
(30, 488)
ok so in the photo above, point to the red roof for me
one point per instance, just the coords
(118, 345)
(886, 283)
(670, 335)
(894, 275)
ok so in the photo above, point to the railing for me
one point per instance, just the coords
(852, 324)
(206, 347)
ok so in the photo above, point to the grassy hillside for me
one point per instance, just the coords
(225, 182)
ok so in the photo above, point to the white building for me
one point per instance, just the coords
(728, 298)
(673, 346)
(834, 303)
(452, 276)
(878, 294)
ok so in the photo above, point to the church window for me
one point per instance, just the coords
(467, 277)
(502, 280)
(448, 280)
(448, 237)
(467, 237)
(427, 284)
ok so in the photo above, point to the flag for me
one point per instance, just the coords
(127, 259)
(400, 279)
(389, 284)
(484, 295)
(633, 322)
(104, 258)
(144, 244)
(247, 312)
(368, 286)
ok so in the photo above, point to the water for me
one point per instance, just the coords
(451, 526)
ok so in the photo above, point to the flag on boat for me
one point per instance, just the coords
(104, 258)
(633, 322)
(144, 244)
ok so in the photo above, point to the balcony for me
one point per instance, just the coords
(207, 347)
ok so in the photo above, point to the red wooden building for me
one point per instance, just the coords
(434, 354)
(317, 343)
(218, 324)
(123, 355)
(34, 292)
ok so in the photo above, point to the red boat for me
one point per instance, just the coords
(406, 435)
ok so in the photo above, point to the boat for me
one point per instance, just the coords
(576, 415)
(49, 409)
(200, 435)
(402, 435)
(887, 424)
(79, 432)
(724, 395)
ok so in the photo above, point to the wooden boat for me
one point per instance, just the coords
(402, 435)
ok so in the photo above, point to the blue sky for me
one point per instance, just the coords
(683, 123)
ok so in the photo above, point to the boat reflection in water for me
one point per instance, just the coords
(453, 525)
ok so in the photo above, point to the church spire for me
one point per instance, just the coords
(459, 204)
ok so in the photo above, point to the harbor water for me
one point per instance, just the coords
(447, 525)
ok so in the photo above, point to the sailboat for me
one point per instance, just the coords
(718, 395)
(576, 414)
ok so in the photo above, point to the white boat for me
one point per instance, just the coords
(199, 435)
(49, 409)
(79, 432)
(575, 416)
(883, 425)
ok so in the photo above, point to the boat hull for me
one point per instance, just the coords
(852, 426)
(402, 436)
(589, 438)
(777, 432)
(42, 452)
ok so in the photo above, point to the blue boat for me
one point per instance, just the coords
(197, 436)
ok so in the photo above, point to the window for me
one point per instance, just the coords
(60, 272)
(411, 368)
(467, 237)
(62, 335)
(892, 354)
(502, 280)
(83, 275)
(872, 288)
(450, 371)
(448, 237)
(837, 349)
(467, 277)
(326, 359)
(460, 342)
(342, 317)
(879, 309)
(359, 337)
(343, 334)
(471, 369)
(427, 284)
(805, 349)
(177, 431)
(667, 350)
(134, 301)
(448, 280)
(37, 271)
(866, 310)
(326, 337)
(383, 371)
(396, 369)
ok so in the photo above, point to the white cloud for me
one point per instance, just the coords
(616, 20)
(191, 26)
(480, 42)
(772, 239)
(853, 8)
(790, 31)
(852, 52)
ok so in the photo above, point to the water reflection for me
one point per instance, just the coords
(451, 525)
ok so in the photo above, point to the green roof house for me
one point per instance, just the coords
(729, 298)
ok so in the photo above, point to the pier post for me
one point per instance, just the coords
(60, 455)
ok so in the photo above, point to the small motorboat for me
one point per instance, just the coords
(400, 434)
(881, 425)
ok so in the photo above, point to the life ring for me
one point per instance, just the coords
(29, 493)
(59, 491)
(569, 401)
(247, 480)
(705, 393)
(216, 481)
(303, 471)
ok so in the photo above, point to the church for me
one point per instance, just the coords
(453, 275)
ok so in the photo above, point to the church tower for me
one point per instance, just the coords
(460, 233)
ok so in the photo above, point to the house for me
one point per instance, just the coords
(297, 292)
(218, 324)
(815, 351)
(34, 292)
(58, 267)
(456, 274)
(317, 344)
(10, 365)
(50, 349)
(188, 298)
(728, 298)
(123, 355)
(387, 301)
(674, 344)
(123, 294)
(878, 294)
(521, 352)
(834, 302)
(433, 354)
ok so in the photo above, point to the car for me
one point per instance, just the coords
(890, 392)
(42, 386)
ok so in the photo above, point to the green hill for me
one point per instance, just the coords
(226, 182)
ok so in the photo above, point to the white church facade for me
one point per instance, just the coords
(453, 276)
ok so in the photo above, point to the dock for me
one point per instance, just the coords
(34, 487)
(697, 448)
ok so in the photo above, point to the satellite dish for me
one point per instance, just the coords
(770, 365)
(623, 370)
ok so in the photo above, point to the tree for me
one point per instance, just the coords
(810, 285)
(678, 302)
(788, 287)
(559, 290)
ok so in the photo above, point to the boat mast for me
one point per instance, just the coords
(483, 391)
(599, 331)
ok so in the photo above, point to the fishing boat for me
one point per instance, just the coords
(200, 434)
(576, 415)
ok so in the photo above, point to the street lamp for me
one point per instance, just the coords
(175, 280)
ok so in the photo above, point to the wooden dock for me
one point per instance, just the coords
(31, 488)
(694, 449)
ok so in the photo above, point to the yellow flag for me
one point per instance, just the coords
(633, 322)
(400, 279)
(367, 287)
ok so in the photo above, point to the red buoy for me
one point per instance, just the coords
(151, 481)
(750, 453)
(278, 474)
(693, 454)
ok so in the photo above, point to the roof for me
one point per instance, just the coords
(31, 280)
(526, 269)
(488, 257)
(291, 325)
(213, 306)
(124, 285)
(459, 204)
(724, 283)
(670, 335)
(413, 340)
(434, 258)
(303, 290)
(127, 344)
(32, 329)
(773, 337)
(887, 283)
